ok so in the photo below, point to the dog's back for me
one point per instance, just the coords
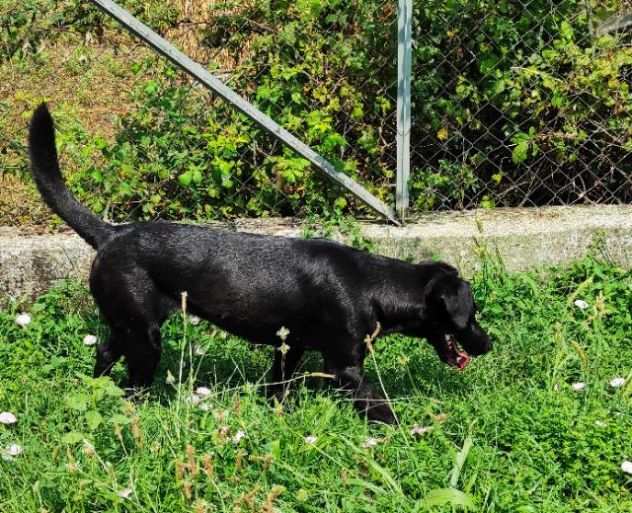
(249, 284)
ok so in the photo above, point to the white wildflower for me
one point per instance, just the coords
(310, 440)
(170, 379)
(284, 348)
(89, 340)
(283, 333)
(581, 304)
(205, 406)
(7, 418)
(420, 430)
(199, 350)
(125, 493)
(238, 436)
(194, 320)
(578, 387)
(617, 382)
(626, 466)
(203, 391)
(23, 319)
(12, 451)
(370, 442)
(194, 399)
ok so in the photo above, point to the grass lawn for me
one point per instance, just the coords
(509, 434)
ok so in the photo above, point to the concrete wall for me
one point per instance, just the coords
(524, 239)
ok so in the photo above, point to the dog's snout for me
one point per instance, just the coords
(475, 340)
(485, 346)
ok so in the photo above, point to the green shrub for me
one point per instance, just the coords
(514, 104)
(24, 24)
(520, 103)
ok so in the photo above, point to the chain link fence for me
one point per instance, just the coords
(325, 71)
(520, 103)
(515, 103)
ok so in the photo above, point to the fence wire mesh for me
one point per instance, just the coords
(520, 103)
(326, 71)
(515, 103)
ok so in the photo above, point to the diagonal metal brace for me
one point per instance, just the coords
(202, 75)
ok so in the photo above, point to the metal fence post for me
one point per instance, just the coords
(404, 71)
(203, 76)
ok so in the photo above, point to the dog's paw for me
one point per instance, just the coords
(381, 412)
(277, 394)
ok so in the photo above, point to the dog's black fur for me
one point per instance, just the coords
(328, 295)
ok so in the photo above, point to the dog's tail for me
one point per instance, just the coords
(45, 169)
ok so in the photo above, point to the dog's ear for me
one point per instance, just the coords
(459, 304)
(448, 268)
(437, 266)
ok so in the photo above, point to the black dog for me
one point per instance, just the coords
(328, 296)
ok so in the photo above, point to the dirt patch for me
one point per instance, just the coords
(20, 205)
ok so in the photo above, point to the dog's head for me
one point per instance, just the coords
(451, 325)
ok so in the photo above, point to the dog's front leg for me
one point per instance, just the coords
(366, 399)
(108, 353)
(142, 357)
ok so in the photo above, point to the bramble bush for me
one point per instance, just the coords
(180, 156)
(25, 24)
(518, 104)
(514, 103)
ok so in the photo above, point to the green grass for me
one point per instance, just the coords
(509, 432)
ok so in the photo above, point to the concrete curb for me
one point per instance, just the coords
(523, 238)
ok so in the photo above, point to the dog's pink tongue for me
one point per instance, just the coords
(462, 360)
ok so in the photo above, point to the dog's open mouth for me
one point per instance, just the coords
(455, 355)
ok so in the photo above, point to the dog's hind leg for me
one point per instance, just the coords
(134, 308)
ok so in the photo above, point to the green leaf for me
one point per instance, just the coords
(78, 401)
(94, 419)
(185, 179)
(488, 64)
(443, 496)
(566, 31)
(558, 100)
(74, 437)
(275, 449)
(197, 176)
(520, 152)
(120, 419)
(111, 390)
(460, 461)
(340, 203)
(151, 87)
